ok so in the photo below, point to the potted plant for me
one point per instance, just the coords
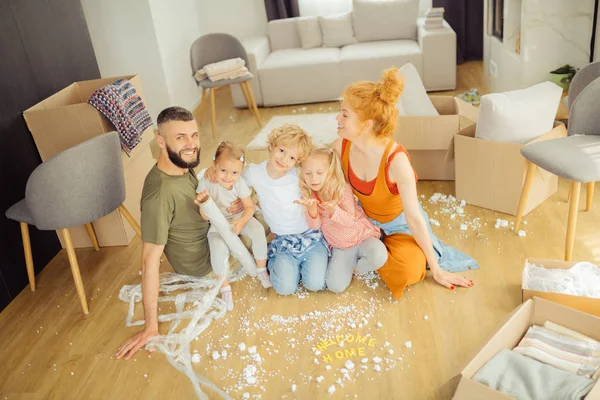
(563, 76)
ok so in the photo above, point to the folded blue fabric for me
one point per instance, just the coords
(527, 379)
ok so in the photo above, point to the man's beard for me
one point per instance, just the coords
(180, 162)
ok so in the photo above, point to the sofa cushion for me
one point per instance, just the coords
(295, 76)
(366, 61)
(384, 19)
(518, 116)
(283, 34)
(310, 32)
(337, 30)
(414, 100)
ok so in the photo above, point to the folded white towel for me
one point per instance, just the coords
(221, 68)
(224, 66)
(230, 75)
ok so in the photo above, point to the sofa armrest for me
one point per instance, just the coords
(258, 48)
(439, 56)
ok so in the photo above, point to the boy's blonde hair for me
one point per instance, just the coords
(335, 182)
(230, 150)
(291, 136)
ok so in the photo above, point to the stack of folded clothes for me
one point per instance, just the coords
(550, 362)
(227, 69)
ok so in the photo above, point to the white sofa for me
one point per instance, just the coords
(286, 73)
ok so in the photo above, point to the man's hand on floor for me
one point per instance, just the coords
(130, 347)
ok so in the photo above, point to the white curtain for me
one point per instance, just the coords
(311, 8)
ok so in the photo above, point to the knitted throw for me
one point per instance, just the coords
(123, 106)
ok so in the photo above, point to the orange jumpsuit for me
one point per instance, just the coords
(379, 198)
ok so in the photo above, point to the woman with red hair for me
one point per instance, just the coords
(384, 182)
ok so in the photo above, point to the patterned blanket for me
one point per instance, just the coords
(123, 106)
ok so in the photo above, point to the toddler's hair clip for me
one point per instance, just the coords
(242, 158)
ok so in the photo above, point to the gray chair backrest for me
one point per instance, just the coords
(77, 186)
(215, 47)
(584, 116)
(581, 79)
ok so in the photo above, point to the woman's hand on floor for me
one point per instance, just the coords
(450, 280)
(130, 347)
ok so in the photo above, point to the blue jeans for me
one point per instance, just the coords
(286, 269)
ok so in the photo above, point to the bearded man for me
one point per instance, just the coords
(170, 219)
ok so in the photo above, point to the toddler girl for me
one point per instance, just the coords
(228, 186)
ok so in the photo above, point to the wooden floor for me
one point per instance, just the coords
(51, 351)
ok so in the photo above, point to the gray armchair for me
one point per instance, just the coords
(73, 188)
(576, 157)
(213, 48)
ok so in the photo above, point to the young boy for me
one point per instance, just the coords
(297, 252)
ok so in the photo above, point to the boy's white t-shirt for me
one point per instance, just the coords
(223, 197)
(276, 197)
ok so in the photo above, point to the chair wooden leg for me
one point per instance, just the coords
(570, 190)
(75, 269)
(90, 231)
(525, 193)
(28, 255)
(245, 93)
(253, 101)
(203, 105)
(212, 106)
(131, 220)
(589, 196)
(572, 222)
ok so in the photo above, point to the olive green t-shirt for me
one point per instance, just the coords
(171, 218)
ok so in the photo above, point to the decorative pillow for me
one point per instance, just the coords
(385, 19)
(310, 32)
(518, 116)
(337, 30)
(414, 100)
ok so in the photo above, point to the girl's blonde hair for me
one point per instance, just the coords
(292, 136)
(231, 151)
(376, 101)
(335, 182)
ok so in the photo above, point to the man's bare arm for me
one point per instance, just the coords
(151, 254)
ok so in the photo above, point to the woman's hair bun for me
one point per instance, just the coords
(390, 86)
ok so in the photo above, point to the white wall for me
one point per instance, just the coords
(240, 18)
(177, 26)
(125, 43)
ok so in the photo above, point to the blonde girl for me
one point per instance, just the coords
(331, 206)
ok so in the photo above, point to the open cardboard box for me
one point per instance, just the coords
(65, 119)
(586, 304)
(491, 174)
(428, 139)
(533, 311)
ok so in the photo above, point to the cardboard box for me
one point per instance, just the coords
(508, 336)
(65, 119)
(428, 139)
(586, 304)
(491, 174)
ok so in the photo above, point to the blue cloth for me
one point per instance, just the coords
(287, 268)
(296, 244)
(449, 258)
